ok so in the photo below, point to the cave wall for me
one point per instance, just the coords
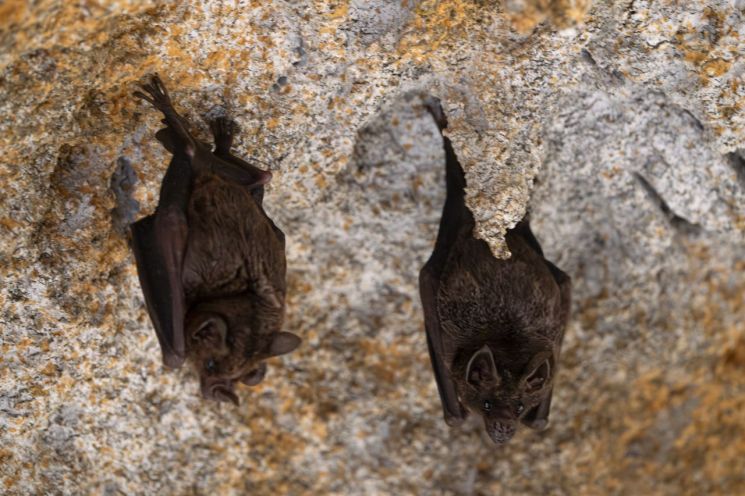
(619, 125)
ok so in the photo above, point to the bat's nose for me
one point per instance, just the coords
(500, 432)
(434, 106)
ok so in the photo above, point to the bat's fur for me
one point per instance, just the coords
(504, 319)
(222, 259)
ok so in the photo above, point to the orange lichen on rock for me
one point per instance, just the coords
(526, 14)
(670, 420)
(434, 26)
(356, 407)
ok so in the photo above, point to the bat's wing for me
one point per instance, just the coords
(537, 418)
(561, 278)
(164, 303)
(523, 229)
(453, 411)
(455, 218)
(159, 243)
(231, 167)
(565, 291)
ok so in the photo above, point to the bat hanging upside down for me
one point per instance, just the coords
(211, 263)
(494, 327)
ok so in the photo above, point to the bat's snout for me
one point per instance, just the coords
(501, 432)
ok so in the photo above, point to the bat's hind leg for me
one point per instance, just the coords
(158, 97)
(231, 167)
(223, 130)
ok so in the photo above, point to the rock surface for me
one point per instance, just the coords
(620, 125)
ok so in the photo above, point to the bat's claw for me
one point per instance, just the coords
(434, 107)
(156, 94)
(223, 126)
(224, 130)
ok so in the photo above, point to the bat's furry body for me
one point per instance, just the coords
(211, 262)
(494, 327)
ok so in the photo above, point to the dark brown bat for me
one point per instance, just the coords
(494, 327)
(211, 262)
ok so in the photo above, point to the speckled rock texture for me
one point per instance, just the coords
(619, 125)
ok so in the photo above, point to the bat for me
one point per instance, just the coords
(494, 327)
(211, 263)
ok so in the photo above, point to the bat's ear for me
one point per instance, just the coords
(539, 373)
(481, 368)
(284, 342)
(211, 331)
(255, 376)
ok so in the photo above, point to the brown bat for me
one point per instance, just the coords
(494, 327)
(211, 263)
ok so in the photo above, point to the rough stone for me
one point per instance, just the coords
(620, 127)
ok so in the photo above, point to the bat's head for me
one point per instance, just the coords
(506, 396)
(228, 343)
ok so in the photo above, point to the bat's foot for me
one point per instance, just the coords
(224, 130)
(434, 107)
(157, 95)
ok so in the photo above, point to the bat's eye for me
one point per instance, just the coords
(520, 408)
(211, 365)
(487, 405)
